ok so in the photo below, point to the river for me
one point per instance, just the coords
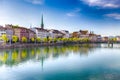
(71, 62)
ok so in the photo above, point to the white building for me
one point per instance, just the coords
(9, 31)
(95, 38)
(2, 30)
(55, 33)
(99, 38)
(66, 33)
(41, 33)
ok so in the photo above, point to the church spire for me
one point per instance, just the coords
(42, 23)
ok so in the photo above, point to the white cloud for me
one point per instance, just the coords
(73, 13)
(114, 16)
(103, 3)
(35, 1)
(70, 14)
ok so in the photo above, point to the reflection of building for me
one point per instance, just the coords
(16, 56)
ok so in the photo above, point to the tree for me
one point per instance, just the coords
(24, 39)
(38, 39)
(75, 39)
(55, 40)
(45, 40)
(59, 39)
(85, 40)
(113, 39)
(14, 38)
(70, 39)
(5, 38)
(32, 39)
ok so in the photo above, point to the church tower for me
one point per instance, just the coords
(42, 23)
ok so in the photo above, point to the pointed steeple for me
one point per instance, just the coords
(42, 23)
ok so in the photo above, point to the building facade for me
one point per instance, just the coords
(83, 34)
(55, 34)
(19, 31)
(40, 32)
(66, 33)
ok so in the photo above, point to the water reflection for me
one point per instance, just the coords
(81, 62)
(12, 57)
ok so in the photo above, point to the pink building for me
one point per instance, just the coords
(21, 32)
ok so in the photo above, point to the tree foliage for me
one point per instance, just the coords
(38, 40)
(14, 38)
(5, 38)
(24, 39)
(32, 39)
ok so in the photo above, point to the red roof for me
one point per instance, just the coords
(84, 32)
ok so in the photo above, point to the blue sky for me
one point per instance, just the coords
(100, 16)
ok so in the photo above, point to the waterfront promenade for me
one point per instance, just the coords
(26, 45)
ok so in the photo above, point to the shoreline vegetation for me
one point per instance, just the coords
(37, 42)
(55, 43)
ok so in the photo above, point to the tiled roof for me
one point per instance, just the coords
(13, 26)
(56, 31)
(2, 28)
(41, 29)
(31, 31)
(91, 34)
(105, 37)
(84, 32)
(65, 31)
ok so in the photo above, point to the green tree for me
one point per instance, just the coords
(5, 38)
(55, 40)
(24, 39)
(38, 40)
(32, 39)
(113, 39)
(50, 39)
(45, 40)
(14, 38)
(85, 40)
(75, 39)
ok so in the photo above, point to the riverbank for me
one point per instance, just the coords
(26, 45)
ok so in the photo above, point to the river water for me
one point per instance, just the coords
(73, 62)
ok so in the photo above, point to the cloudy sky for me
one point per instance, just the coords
(100, 16)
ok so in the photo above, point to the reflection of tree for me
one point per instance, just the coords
(4, 57)
(15, 59)
(23, 54)
(16, 56)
